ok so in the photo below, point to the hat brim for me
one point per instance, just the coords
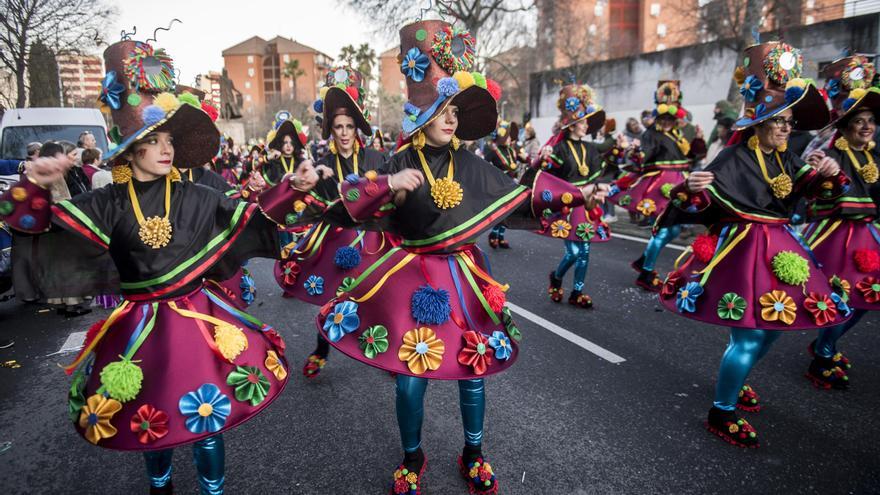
(286, 129)
(477, 114)
(870, 102)
(196, 138)
(595, 121)
(336, 98)
(809, 112)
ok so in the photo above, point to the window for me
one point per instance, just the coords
(655, 9)
(247, 85)
(810, 19)
(661, 30)
(286, 58)
(250, 59)
(660, 47)
(250, 72)
(247, 97)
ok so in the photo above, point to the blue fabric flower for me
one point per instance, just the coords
(414, 64)
(352, 179)
(314, 285)
(206, 409)
(793, 93)
(501, 344)
(600, 231)
(546, 196)
(591, 109)
(832, 87)
(347, 257)
(111, 91)
(447, 87)
(572, 103)
(686, 300)
(848, 103)
(842, 306)
(318, 106)
(750, 88)
(342, 320)
(430, 305)
(411, 110)
(248, 288)
(153, 114)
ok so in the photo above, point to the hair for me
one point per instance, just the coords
(51, 148)
(90, 155)
(68, 146)
(33, 148)
(83, 134)
(843, 123)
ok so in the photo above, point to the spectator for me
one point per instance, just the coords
(530, 144)
(90, 159)
(647, 119)
(77, 180)
(722, 134)
(33, 150)
(633, 130)
(86, 140)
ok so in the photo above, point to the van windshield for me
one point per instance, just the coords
(15, 139)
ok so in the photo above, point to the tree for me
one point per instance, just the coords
(362, 58)
(43, 77)
(60, 24)
(292, 71)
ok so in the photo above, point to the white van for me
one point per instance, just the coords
(21, 126)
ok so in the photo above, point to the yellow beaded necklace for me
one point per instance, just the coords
(581, 161)
(154, 231)
(447, 193)
(868, 171)
(781, 185)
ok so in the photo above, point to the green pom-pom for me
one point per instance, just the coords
(122, 380)
(665, 189)
(134, 99)
(190, 99)
(479, 79)
(791, 268)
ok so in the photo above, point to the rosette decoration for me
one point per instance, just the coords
(149, 70)
(421, 350)
(454, 49)
(111, 91)
(414, 64)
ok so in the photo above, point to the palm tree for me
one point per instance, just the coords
(292, 71)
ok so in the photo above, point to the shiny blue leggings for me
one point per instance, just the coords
(208, 456)
(411, 410)
(577, 253)
(659, 241)
(826, 342)
(498, 231)
(745, 349)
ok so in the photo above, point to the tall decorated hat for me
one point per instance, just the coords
(770, 82)
(668, 99)
(506, 128)
(343, 94)
(285, 125)
(849, 86)
(437, 60)
(138, 90)
(577, 102)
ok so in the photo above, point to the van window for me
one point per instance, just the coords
(13, 143)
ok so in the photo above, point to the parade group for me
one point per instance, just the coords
(180, 361)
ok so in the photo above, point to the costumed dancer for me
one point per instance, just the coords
(570, 158)
(440, 199)
(327, 255)
(844, 235)
(752, 272)
(666, 156)
(175, 363)
(501, 151)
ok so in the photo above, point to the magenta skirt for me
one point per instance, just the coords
(156, 375)
(649, 193)
(575, 224)
(752, 275)
(850, 250)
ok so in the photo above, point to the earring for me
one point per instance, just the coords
(357, 146)
(418, 141)
(332, 146)
(455, 142)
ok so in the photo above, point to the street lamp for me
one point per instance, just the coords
(503, 104)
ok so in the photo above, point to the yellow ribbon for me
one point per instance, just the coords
(106, 326)
(400, 264)
(482, 274)
(724, 252)
(826, 233)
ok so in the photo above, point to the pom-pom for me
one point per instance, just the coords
(666, 188)
(133, 99)
(465, 79)
(323, 92)
(122, 380)
(791, 268)
(447, 87)
(347, 257)
(430, 306)
(857, 93)
(739, 75)
(793, 94)
(230, 340)
(153, 115)
(495, 297)
(680, 113)
(848, 103)
(797, 82)
(318, 106)
(704, 247)
(479, 79)
(189, 99)
(166, 101)
(867, 260)
(353, 92)
(494, 89)
(662, 108)
(211, 110)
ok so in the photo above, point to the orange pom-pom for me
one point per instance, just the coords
(493, 88)
(867, 260)
(353, 92)
(704, 247)
(495, 297)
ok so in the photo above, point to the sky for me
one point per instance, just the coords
(208, 28)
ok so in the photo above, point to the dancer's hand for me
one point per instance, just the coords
(699, 181)
(305, 177)
(324, 171)
(48, 169)
(826, 166)
(406, 180)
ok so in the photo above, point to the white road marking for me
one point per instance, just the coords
(644, 241)
(565, 334)
(73, 343)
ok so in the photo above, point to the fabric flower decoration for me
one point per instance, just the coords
(821, 307)
(248, 288)
(647, 207)
(314, 285)
(274, 365)
(342, 320)
(842, 306)
(421, 350)
(276, 340)
(374, 341)
(560, 229)
(205, 409)
(832, 88)
(731, 307)
(95, 417)
(750, 88)
(76, 398)
(776, 305)
(686, 300)
(345, 286)
(670, 287)
(572, 104)
(585, 231)
(414, 64)
(250, 384)
(869, 288)
(111, 91)
(289, 272)
(474, 353)
(501, 345)
(510, 325)
(149, 424)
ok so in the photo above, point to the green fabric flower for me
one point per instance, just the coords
(585, 231)
(731, 307)
(374, 341)
(251, 385)
(791, 268)
(345, 286)
(76, 398)
(509, 325)
(547, 213)
(626, 200)
(666, 188)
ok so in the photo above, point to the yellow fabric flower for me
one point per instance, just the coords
(474, 472)
(299, 206)
(95, 417)
(421, 350)
(647, 207)
(273, 364)
(166, 101)
(567, 198)
(371, 175)
(412, 477)
(560, 228)
(230, 340)
(778, 306)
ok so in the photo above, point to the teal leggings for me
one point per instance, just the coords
(577, 253)
(411, 410)
(745, 349)
(659, 241)
(826, 342)
(208, 456)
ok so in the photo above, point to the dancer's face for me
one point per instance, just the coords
(287, 145)
(343, 131)
(152, 156)
(666, 122)
(440, 131)
(861, 128)
(774, 132)
(579, 129)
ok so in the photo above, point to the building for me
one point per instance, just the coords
(257, 69)
(81, 77)
(210, 84)
(391, 79)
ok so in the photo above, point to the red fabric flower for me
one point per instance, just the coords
(821, 307)
(704, 247)
(624, 182)
(476, 352)
(495, 297)
(276, 340)
(290, 272)
(867, 260)
(674, 281)
(209, 109)
(494, 89)
(149, 423)
(869, 288)
(39, 203)
(401, 486)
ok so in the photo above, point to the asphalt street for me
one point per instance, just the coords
(563, 420)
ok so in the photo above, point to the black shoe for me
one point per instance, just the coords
(74, 311)
(637, 264)
(6, 343)
(576, 298)
(555, 290)
(826, 374)
(731, 429)
(649, 280)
